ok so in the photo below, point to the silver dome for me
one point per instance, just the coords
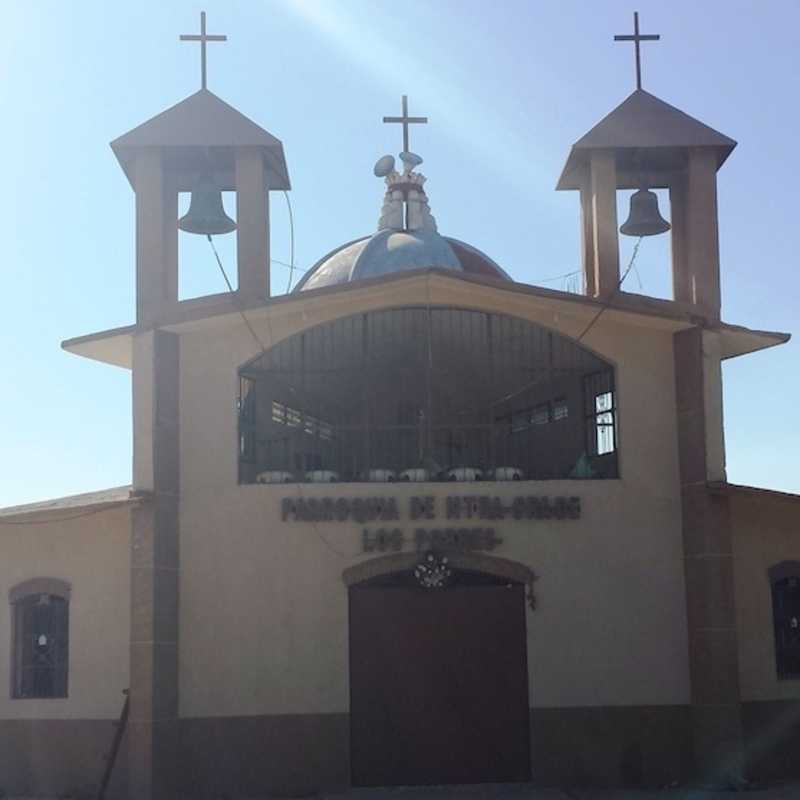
(389, 252)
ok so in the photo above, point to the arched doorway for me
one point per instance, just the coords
(438, 672)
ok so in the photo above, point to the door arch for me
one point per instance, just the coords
(438, 676)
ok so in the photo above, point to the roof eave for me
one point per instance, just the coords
(277, 171)
(737, 340)
(70, 507)
(571, 177)
(725, 488)
(116, 346)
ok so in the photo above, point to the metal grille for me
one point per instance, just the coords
(424, 394)
(786, 619)
(41, 633)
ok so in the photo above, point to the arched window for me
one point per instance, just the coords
(785, 581)
(427, 394)
(40, 630)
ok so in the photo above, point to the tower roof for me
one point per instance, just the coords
(203, 120)
(642, 122)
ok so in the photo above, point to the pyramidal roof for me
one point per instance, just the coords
(202, 120)
(644, 121)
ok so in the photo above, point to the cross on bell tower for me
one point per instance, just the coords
(203, 38)
(637, 38)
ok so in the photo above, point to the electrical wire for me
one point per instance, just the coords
(592, 322)
(291, 240)
(264, 351)
(559, 277)
(235, 296)
(613, 293)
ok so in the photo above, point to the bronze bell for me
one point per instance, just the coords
(206, 214)
(644, 218)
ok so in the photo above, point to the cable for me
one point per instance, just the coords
(605, 305)
(235, 296)
(264, 351)
(291, 240)
(612, 294)
(559, 277)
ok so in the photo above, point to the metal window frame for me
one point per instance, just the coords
(592, 416)
(19, 598)
(779, 575)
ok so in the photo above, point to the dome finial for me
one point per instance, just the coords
(405, 205)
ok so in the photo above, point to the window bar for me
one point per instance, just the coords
(365, 384)
(428, 460)
(492, 383)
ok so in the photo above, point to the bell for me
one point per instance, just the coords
(206, 214)
(644, 218)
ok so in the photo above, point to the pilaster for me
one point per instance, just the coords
(708, 566)
(252, 220)
(681, 279)
(603, 173)
(156, 239)
(702, 231)
(153, 718)
(587, 235)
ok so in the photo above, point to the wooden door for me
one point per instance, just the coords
(439, 684)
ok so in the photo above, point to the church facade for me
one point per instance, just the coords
(413, 522)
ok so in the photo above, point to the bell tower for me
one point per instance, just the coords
(204, 146)
(647, 144)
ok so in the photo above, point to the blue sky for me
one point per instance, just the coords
(508, 86)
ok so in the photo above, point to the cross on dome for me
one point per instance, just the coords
(405, 121)
(637, 38)
(203, 38)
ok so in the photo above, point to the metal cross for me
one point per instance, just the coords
(405, 121)
(202, 38)
(636, 39)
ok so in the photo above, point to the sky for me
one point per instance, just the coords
(508, 87)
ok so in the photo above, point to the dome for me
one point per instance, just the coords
(397, 251)
(407, 238)
(390, 252)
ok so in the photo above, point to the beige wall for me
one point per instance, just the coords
(766, 531)
(90, 553)
(263, 606)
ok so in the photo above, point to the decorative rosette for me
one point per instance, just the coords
(433, 572)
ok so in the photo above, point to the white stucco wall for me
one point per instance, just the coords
(91, 554)
(263, 606)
